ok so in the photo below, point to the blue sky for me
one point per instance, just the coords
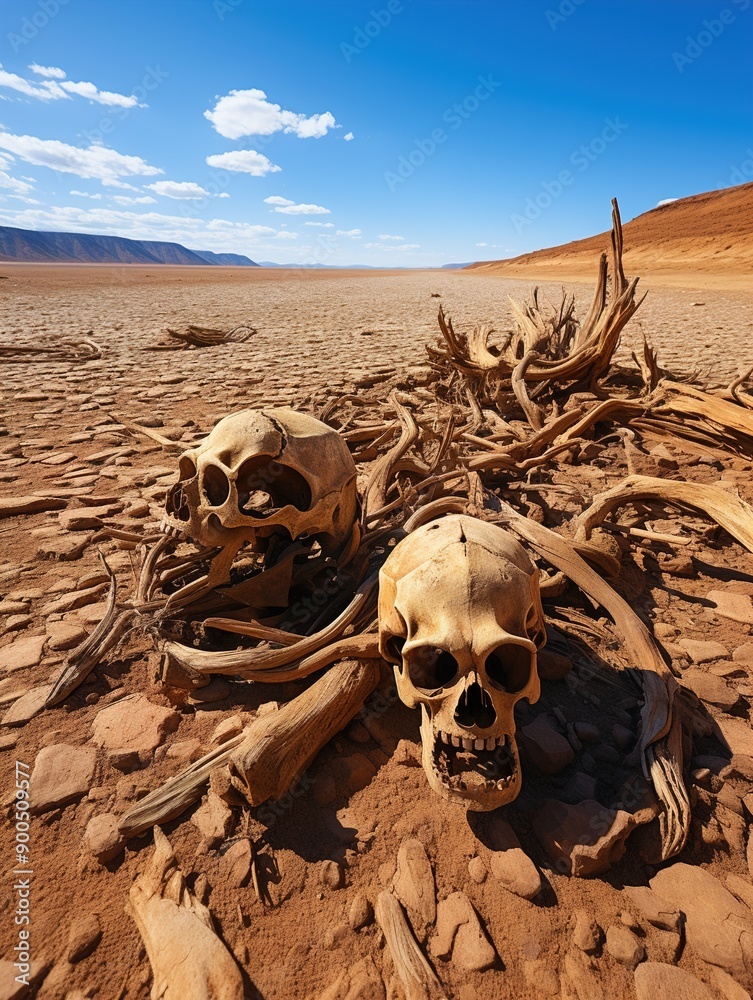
(397, 132)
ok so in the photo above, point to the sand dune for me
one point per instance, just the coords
(703, 241)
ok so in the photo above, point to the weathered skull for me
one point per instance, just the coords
(460, 616)
(265, 472)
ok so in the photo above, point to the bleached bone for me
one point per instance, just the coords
(188, 959)
(269, 753)
(416, 975)
(460, 618)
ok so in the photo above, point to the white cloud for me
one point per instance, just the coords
(124, 199)
(244, 161)
(83, 194)
(97, 162)
(321, 225)
(348, 136)
(223, 194)
(179, 190)
(666, 201)
(285, 235)
(386, 236)
(49, 71)
(288, 207)
(355, 233)
(387, 246)
(482, 244)
(8, 183)
(247, 112)
(60, 88)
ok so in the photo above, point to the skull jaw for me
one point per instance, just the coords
(482, 789)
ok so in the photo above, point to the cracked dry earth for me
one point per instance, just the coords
(488, 895)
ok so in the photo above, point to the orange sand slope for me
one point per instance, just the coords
(705, 240)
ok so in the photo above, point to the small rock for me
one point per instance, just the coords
(332, 875)
(587, 732)
(517, 873)
(237, 862)
(545, 746)
(213, 819)
(623, 737)
(726, 985)
(227, 729)
(62, 635)
(738, 733)
(10, 989)
(102, 837)
(718, 928)
(570, 834)
(83, 937)
(477, 870)
(710, 688)
(587, 935)
(61, 774)
(79, 519)
(460, 935)
(581, 786)
(702, 651)
(742, 888)
(624, 946)
(744, 655)
(23, 653)
(656, 981)
(134, 723)
(27, 706)
(735, 607)
(216, 690)
(361, 912)
(414, 886)
(656, 910)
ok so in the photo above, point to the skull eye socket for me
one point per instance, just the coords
(430, 668)
(215, 485)
(509, 667)
(186, 468)
(265, 485)
(394, 648)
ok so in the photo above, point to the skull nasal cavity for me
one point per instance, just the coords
(475, 708)
(216, 486)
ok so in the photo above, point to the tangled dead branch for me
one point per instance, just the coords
(202, 336)
(78, 351)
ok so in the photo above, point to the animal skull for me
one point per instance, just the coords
(460, 617)
(262, 473)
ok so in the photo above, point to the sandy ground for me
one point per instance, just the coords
(317, 332)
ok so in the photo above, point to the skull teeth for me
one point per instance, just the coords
(169, 529)
(474, 743)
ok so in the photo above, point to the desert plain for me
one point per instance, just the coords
(363, 809)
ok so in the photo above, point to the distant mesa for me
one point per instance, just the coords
(709, 233)
(29, 246)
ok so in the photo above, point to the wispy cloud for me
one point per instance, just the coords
(386, 236)
(179, 190)
(248, 112)
(288, 207)
(244, 161)
(353, 233)
(96, 162)
(348, 136)
(321, 225)
(54, 87)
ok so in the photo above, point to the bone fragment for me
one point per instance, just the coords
(416, 975)
(188, 959)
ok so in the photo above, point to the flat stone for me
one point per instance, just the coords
(23, 653)
(12, 990)
(718, 928)
(624, 946)
(516, 872)
(656, 910)
(361, 912)
(742, 888)
(102, 837)
(657, 981)
(332, 875)
(572, 835)
(744, 654)
(216, 690)
(738, 734)
(64, 548)
(237, 863)
(587, 935)
(545, 746)
(213, 819)
(581, 786)
(61, 774)
(27, 706)
(414, 885)
(79, 519)
(134, 723)
(736, 607)
(702, 651)
(477, 870)
(227, 729)
(64, 635)
(83, 937)
(710, 688)
(460, 936)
